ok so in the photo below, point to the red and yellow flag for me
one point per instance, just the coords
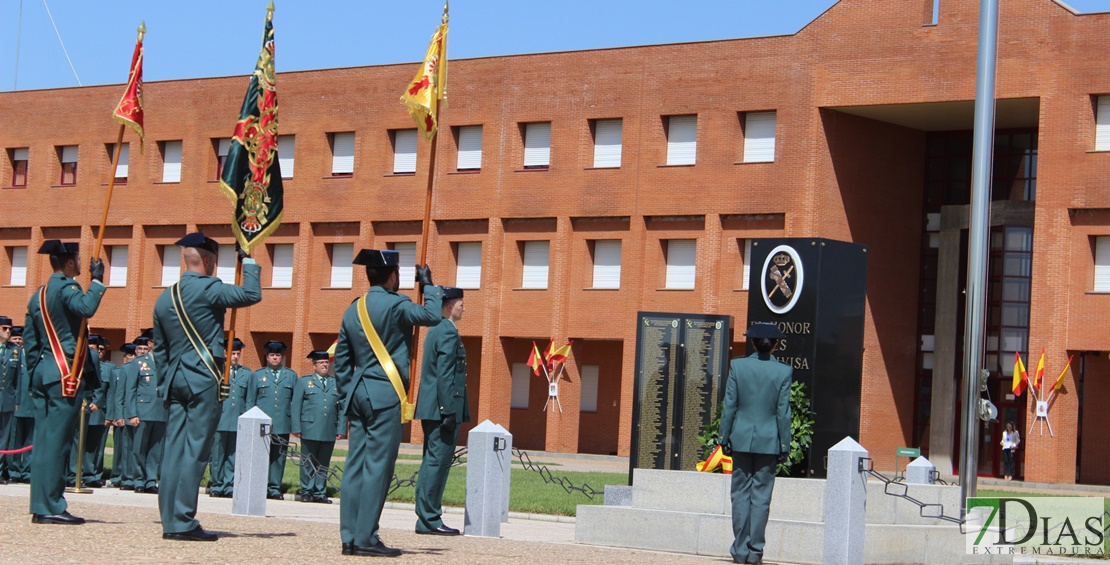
(423, 95)
(129, 111)
(535, 360)
(1060, 380)
(1020, 377)
(715, 459)
(1039, 374)
(559, 355)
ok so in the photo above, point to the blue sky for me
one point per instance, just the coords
(204, 38)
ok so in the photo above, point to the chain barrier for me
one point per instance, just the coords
(293, 452)
(901, 490)
(548, 478)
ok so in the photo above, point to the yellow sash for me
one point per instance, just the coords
(408, 409)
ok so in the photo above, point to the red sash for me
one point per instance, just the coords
(70, 383)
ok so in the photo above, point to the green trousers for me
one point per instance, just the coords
(221, 466)
(95, 438)
(146, 454)
(191, 421)
(7, 422)
(19, 465)
(439, 451)
(278, 451)
(315, 460)
(374, 440)
(753, 479)
(55, 421)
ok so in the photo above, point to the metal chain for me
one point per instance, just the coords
(901, 490)
(564, 482)
(292, 451)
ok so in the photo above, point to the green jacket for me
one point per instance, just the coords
(102, 398)
(443, 375)
(69, 307)
(11, 365)
(393, 316)
(316, 409)
(142, 398)
(24, 408)
(272, 391)
(206, 300)
(756, 413)
(236, 402)
(117, 392)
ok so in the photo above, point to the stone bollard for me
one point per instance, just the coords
(845, 504)
(488, 459)
(921, 472)
(507, 483)
(252, 463)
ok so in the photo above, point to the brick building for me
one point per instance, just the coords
(575, 189)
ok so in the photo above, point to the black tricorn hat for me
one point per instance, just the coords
(147, 333)
(764, 330)
(452, 292)
(17, 331)
(377, 258)
(128, 348)
(274, 347)
(94, 339)
(104, 341)
(198, 240)
(318, 355)
(141, 340)
(56, 247)
(237, 345)
(5, 321)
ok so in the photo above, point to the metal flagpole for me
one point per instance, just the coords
(978, 233)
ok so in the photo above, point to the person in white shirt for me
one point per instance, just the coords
(1010, 440)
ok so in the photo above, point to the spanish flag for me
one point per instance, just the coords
(715, 459)
(129, 111)
(1060, 380)
(1039, 374)
(423, 95)
(1020, 377)
(559, 355)
(535, 360)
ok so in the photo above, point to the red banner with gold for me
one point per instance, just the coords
(129, 111)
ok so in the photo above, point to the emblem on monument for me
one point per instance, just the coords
(782, 279)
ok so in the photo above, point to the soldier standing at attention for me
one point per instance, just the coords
(144, 406)
(367, 395)
(100, 416)
(19, 465)
(272, 391)
(189, 334)
(56, 316)
(121, 432)
(94, 426)
(11, 364)
(318, 424)
(221, 468)
(441, 406)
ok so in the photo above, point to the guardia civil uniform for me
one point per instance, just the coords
(23, 427)
(144, 401)
(221, 466)
(317, 419)
(368, 400)
(101, 418)
(55, 415)
(755, 426)
(272, 391)
(440, 406)
(123, 476)
(11, 366)
(94, 427)
(188, 385)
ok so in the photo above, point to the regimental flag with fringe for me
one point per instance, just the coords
(251, 176)
(129, 111)
(1020, 377)
(535, 360)
(423, 96)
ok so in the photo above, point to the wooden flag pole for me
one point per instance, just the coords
(424, 238)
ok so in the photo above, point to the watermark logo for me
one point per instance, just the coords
(1035, 526)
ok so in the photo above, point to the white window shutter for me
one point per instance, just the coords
(470, 148)
(124, 158)
(759, 137)
(406, 258)
(607, 143)
(536, 257)
(607, 263)
(341, 267)
(225, 263)
(518, 397)
(343, 153)
(19, 266)
(588, 378)
(283, 266)
(537, 144)
(69, 154)
(117, 273)
(223, 147)
(746, 261)
(681, 254)
(1102, 263)
(171, 164)
(20, 154)
(171, 264)
(1102, 124)
(468, 273)
(682, 140)
(287, 145)
(404, 151)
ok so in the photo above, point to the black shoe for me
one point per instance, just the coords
(347, 548)
(139, 490)
(127, 487)
(275, 496)
(227, 494)
(151, 490)
(377, 550)
(3, 481)
(440, 531)
(321, 499)
(64, 518)
(95, 484)
(195, 534)
(214, 494)
(302, 498)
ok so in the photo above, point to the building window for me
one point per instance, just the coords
(19, 166)
(287, 146)
(745, 246)
(588, 378)
(522, 381)
(537, 145)
(468, 260)
(680, 263)
(759, 137)
(1102, 263)
(225, 263)
(607, 143)
(404, 151)
(406, 258)
(607, 263)
(1102, 124)
(171, 264)
(19, 266)
(536, 256)
(171, 160)
(222, 147)
(470, 148)
(124, 157)
(342, 255)
(283, 266)
(342, 154)
(68, 157)
(117, 264)
(682, 140)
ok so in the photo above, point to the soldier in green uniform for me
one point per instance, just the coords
(190, 340)
(56, 318)
(11, 363)
(143, 404)
(131, 475)
(318, 424)
(121, 432)
(755, 430)
(221, 468)
(19, 464)
(272, 390)
(94, 426)
(106, 370)
(367, 396)
(440, 407)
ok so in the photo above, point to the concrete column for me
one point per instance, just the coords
(845, 505)
(252, 463)
(921, 472)
(487, 478)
